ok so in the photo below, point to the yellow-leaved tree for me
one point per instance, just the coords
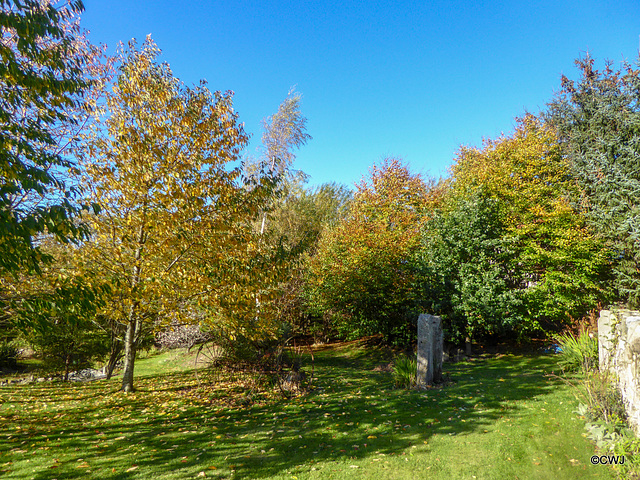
(173, 232)
(563, 268)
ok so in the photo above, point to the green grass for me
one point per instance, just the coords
(496, 418)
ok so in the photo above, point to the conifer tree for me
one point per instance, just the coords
(598, 123)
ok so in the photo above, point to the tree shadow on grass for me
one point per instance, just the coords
(352, 412)
(356, 413)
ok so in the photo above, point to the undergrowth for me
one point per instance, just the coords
(602, 405)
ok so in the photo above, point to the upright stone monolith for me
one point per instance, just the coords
(430, 346)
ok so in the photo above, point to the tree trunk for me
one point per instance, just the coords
(129, 356)
(134, 325)
(67, 362)
(114, 356)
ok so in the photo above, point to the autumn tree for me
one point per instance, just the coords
(174, 223)
(362, 271)
(283, 133)
(279, 243)
(597, 118)
(559, 265)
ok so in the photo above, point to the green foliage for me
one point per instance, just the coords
(41, 81)
(629, 447)
(69, 344)
(597, 118)
(405, 371)
(602, 404)
(467, 270)
(295, 225)
(58, 319)
(604, 414)
(602, 435)
(578, 354)
(301, 215)
(601, 395)
(8, 355)
(560, 269)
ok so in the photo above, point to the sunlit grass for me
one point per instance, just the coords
(497, 418)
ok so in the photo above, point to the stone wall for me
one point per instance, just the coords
(619, 351)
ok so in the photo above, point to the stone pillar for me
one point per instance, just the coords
(430, 346)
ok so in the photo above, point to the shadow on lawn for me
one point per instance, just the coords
(353, 412)
(356, 413)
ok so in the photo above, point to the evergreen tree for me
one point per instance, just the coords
(598, 123)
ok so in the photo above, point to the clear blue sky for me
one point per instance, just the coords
(412, 79)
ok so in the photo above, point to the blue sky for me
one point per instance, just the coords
(408, 79)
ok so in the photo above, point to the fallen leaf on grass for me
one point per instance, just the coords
(132, 468)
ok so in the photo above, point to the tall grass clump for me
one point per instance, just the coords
(578, 354)
(404, 371)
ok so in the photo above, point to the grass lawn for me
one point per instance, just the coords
(498, 418)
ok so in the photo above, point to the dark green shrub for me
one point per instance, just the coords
(8, 355)
(69, 344)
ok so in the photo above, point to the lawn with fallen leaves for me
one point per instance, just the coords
(497, 417)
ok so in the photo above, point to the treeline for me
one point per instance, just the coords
(128, 212)
(531, 233)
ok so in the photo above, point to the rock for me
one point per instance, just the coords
(86, 375)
